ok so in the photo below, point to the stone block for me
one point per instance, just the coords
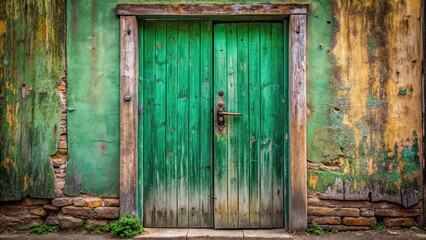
(96, 222)
(59, 193)
(79, 202)
(107, 212)
(18, 221)
(388, 212)
(324, 220)
(359, 221)
(325, 211)
(34, 201)
(92, 202)
(61, 202)
(38, 211)
(398, 222)
(315, 201)
(52, 220)
(344, 228)
(69, 222)
(366, 212)
(82, 212)
(112, 202)
(15, 210)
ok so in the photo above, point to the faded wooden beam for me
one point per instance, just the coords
(298, 156)
(128, 114)
(205, 10)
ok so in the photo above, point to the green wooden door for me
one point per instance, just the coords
(249, 150)
(194, 172)
(177, 122)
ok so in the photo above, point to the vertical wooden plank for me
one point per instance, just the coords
(243, 154)
(148, 124)
(183, 118)
(298, 187)
(194, 124)
(140, 190)
(128, 114)
(160, 121)
(231, 96)
(220, 137)
(254, 121)
(172, 124)
(206, 125)
(277, 121)
(266, 128)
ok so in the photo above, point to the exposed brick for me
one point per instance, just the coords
(398, 212)
(60, 202)
(83, 212)
(398, 222)
(38, 211)
(325, 211)
(107, 212)
(34, 201)
(15, 210)
(68, 222)
(324, 220)
(93, 202)
(359, 221)
(111, 202)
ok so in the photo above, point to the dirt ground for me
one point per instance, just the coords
(403, 234)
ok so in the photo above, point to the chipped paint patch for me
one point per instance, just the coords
(2, 27)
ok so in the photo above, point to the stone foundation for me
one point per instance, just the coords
(360, 215)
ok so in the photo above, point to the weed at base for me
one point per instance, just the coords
(42, 228)
(378, 226)
(317, 230)
(126, 227)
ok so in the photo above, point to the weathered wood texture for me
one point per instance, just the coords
(249, 152)
(129, 72)
(298, 190)
(32, 57)
(177, 123)
(206, 10)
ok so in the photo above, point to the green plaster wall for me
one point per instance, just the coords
(32, 59)
(355, 96)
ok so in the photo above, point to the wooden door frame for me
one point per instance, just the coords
(129, 72)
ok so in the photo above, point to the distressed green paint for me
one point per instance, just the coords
(320, 180)
(32, 41)
(249, 151)
(176, 84)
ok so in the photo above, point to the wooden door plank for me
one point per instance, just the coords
(220, 139)
(160, 120)
(206, 125)
(231, 96)
(243, 138)
(172, 124)
(140, 203)
(254, 121)
(277, 122)
(194, 124)
(183, 118)
(266, 128)
(148, 120)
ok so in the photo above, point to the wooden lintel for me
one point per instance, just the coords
(298, 153)
(128, 114)
(205, 10)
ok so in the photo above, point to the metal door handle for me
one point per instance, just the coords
(230, 113)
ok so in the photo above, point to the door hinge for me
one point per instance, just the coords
(140, 110)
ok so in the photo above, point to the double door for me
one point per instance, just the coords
(213, 130)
